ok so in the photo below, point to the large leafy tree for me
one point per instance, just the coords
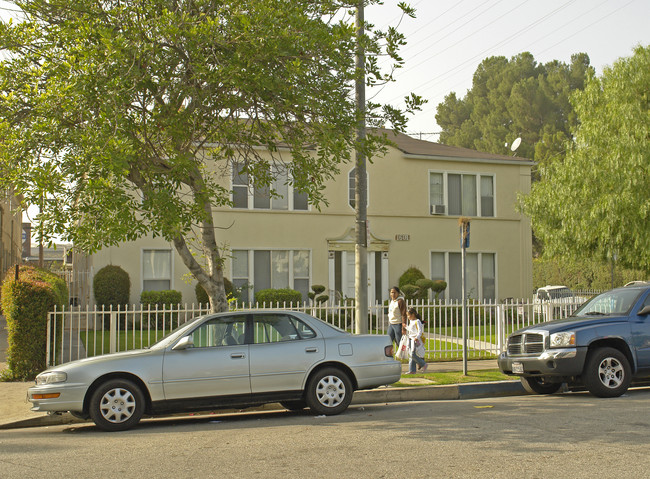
(596, 202)
(120, 117)
(515, 98)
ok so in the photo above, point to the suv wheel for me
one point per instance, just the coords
(539, 385)
(329, 392)
(607, 373)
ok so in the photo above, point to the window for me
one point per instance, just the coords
(352, 182)
(156, 270)
(228, 331)
(275, 328)
(276, 269)
(257, 197)
(463, 194)
(480, 279)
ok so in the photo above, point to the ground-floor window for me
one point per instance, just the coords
(255, 270)
(156, 269)
(480, 274)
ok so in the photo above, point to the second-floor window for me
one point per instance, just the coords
(461, 194)
(352, 183)
(286, 197)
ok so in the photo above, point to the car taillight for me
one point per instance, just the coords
(388, 351)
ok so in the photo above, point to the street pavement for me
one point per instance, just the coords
(15, 409)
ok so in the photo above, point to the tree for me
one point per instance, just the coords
(596, 203)
(124, 115)
(515, 98)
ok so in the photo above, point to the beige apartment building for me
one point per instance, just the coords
(416, 195)
(11, 235)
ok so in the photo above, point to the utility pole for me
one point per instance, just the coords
(361, 186)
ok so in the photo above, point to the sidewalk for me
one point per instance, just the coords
(15, 410)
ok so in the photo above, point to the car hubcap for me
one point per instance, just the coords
(117, 405)
(611, 373)
(330, 391)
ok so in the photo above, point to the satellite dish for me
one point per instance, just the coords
(515, 144)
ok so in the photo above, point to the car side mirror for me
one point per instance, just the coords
(644, 311)
(185, 343)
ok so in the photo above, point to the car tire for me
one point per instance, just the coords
(607, 373)
(117, 405)
(538, 385)
(298, 405)
(329, 392)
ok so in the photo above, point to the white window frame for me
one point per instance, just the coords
(171, 266)
(445, 191)
(352, 189)
(250, 195)
(479, 254)
(251, 267)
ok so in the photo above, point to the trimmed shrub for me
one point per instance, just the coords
(26, 303)
(112, 287)
(414, 284)
(273, 296)
(316, 296)
(161, 299)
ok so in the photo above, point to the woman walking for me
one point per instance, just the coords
(396, 315)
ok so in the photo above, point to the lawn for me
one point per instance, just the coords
(99, 342)
(457, 377)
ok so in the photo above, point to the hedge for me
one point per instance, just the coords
(162, 299)
(26, 304)
(273, 296)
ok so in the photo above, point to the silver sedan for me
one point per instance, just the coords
(238, 359)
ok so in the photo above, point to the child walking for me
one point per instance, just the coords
(414, 331)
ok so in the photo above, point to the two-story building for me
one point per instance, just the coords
(416, 195)
(11, 235)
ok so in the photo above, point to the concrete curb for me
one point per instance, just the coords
(369, 396)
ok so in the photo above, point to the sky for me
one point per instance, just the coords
(448, 39)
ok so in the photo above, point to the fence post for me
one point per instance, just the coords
(113, 331)
(501, 326)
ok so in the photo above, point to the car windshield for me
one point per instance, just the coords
(617, 301)
(174, 333)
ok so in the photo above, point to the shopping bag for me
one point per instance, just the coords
(420, 351)
(403, 348)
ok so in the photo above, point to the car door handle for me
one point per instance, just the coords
(311, 350)
(237, 356)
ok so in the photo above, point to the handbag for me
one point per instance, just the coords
(403, 348)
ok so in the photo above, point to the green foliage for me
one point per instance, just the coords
(515, 98)
(596, 203)
(272, 296)
(414, 284)
(438, 287)
(582, 274)
(168, 299)
(315, 294)
(26, 303)
(111, 287)
(130, 116)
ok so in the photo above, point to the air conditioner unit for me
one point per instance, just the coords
(437, 209)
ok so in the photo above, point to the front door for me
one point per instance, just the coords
(217, 364)
(343, 268)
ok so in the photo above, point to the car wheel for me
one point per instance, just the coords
(607, 373)
(294, 405)
(539, 385)
(116, 405)
(329, 392)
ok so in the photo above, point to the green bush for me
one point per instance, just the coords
(414, 284)
(315, 294)
(112, 287)
(203, 298)
(161, 299)
(26, 304)
(273, 296)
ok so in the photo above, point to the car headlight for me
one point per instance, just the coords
(51, 377)
(560, 340)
